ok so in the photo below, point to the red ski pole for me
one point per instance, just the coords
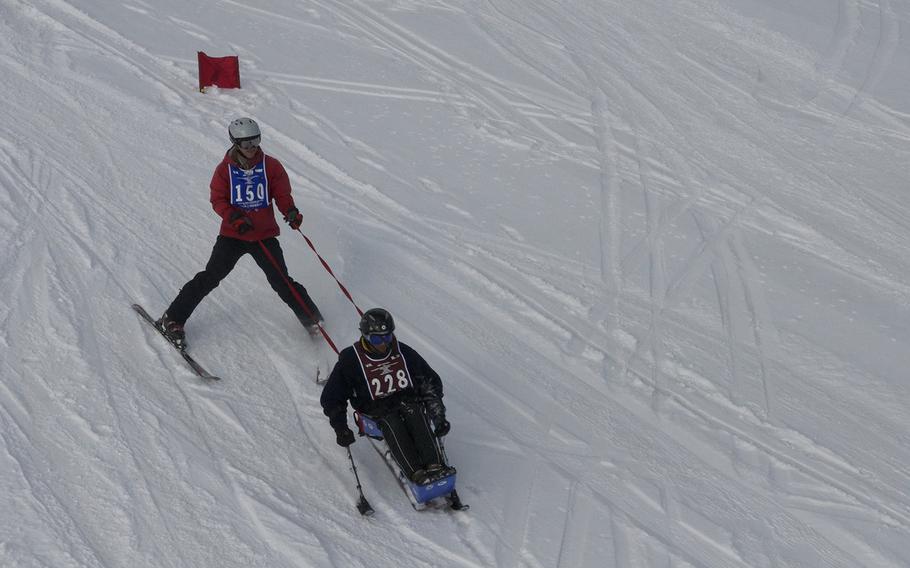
(297, 297)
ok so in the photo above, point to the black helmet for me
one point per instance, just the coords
(376, 321)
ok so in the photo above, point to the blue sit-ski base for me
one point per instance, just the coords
(368, 426)
(422, 494)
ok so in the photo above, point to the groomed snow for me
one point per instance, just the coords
(658, 252)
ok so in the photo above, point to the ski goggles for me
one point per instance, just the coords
(379, 338)
(248, 143)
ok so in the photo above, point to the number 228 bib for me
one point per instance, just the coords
(249, 188)
(385, 376)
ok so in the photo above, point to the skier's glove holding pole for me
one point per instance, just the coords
(294, 218)
(240, 222)
(344, 437)
(442, 426)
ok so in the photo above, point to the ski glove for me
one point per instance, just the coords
(442, 427)
(344, 437)
(435, 408)
(294, 218)
(240, 222)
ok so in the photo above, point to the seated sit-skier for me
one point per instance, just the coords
(390, 382)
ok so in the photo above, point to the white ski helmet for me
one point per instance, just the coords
(243, 130)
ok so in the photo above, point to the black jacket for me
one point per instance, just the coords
(347, 383)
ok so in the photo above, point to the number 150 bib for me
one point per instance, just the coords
(249, 188)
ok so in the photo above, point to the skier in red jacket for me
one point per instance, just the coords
(242, 190)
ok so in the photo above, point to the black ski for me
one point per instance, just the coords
(455, 501)
(197, 368)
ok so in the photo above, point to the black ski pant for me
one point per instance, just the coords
(406, 430)
(225, 254)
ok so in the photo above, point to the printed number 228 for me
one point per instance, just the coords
(389, 384)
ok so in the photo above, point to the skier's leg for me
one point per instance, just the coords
(396, 435)
(424, 442)
(276, 278)
(224, 257)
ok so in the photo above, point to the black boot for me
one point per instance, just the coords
(420, 477)
(311, 323)
(437, 471)
(172, 330)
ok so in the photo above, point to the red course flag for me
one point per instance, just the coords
(222, 72)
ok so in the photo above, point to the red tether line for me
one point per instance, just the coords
(329, 270)
(296, 295)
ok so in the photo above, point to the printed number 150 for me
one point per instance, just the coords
(250, 195)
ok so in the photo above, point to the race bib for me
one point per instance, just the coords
(386, 376)
(249, 188)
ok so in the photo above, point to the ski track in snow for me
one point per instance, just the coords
(650, 409)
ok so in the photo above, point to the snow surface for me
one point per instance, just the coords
(657, 250)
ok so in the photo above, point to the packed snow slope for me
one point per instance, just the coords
(657, 251)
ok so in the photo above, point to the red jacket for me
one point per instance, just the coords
(264, 224)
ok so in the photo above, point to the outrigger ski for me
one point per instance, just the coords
(322, 371)
(437, 494)
(324, 365)
(197, 368)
